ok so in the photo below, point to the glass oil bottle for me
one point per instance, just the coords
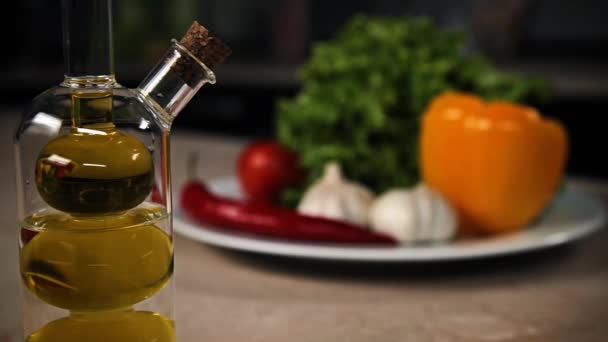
(93, 183)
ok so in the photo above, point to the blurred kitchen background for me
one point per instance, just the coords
(563, 41)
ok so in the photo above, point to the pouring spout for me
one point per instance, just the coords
(181, 73)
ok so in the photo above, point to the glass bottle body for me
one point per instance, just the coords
(94, 191)
(96, 247)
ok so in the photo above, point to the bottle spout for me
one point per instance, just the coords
(182, 71)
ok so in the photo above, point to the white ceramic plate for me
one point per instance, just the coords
(572, 216)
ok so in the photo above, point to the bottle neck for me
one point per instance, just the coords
(87, 43)
(92, 109)
(173, 82)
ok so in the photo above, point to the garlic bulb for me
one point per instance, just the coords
(334, 197)
(416, 215)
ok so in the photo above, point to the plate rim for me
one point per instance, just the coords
(435, 253)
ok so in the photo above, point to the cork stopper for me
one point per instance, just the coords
(207, 48)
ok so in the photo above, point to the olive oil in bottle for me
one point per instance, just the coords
(94, 168)
(93, 263)
(108, 326)
(96, 250)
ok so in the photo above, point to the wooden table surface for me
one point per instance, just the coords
(556, 295)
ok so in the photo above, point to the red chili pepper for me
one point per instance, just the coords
(264, 219)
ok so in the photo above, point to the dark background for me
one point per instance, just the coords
(562, 40)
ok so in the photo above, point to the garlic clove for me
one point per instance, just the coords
(416, 215)
(393, 213)
(424, 206)
(357, 211)
(449, 223)
(334, 197)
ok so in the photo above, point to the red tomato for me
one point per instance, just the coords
(265, 168)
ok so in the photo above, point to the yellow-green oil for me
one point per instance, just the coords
(94, 171)
(94, 168)
(104, 250)
(106, 326)
(96, 263)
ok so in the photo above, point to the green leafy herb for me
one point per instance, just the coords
(364, 91)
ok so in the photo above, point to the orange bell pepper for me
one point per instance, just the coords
(498, 163)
